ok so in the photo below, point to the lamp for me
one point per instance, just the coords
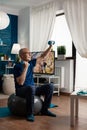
(4, 20)
(15, 50)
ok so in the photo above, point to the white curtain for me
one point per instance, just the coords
(41, 26)
(75, 12)
(81, 72)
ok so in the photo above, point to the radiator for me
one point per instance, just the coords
(59, 71)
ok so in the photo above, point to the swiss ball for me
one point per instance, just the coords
(17, 105)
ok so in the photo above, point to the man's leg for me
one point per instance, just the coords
(28, 93)
(47, 91)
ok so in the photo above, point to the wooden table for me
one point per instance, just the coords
(74, 106)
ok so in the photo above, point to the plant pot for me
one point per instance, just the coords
(61, 57)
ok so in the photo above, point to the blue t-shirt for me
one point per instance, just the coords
(18, 69)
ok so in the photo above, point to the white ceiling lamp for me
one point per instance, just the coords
(4, 20)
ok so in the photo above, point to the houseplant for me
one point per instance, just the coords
(61, 51)
(1, 56)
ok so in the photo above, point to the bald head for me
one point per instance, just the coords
(25, 54)
(23, 50)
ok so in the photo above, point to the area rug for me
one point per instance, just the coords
(4, 111)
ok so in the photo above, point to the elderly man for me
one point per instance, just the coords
(24, 83)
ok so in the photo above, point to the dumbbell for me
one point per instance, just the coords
(51, 42)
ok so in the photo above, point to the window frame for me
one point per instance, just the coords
(73, 47)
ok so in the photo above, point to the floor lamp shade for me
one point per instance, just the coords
(4, 20)
(15, 48)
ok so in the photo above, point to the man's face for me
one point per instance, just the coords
(25, 55)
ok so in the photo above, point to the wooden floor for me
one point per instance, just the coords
(61, 122)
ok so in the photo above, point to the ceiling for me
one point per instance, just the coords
(20, 4)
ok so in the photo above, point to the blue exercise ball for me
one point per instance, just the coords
(17, 105)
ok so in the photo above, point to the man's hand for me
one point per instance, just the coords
(25, 64)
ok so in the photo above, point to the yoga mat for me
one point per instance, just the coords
(4, 111)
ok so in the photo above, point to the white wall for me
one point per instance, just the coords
(68, 74)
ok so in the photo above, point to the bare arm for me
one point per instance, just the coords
(44, 54)
(20, 80)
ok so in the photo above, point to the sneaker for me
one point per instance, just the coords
(30, 118)
(48, 113)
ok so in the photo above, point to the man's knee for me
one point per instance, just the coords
(30, 90)
(50, 87)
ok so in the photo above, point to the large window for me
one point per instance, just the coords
(61, 35)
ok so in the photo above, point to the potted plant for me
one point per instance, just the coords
(1, 56)
(61, 51)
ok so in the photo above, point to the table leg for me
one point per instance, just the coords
(76, 108)
(72, 111)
